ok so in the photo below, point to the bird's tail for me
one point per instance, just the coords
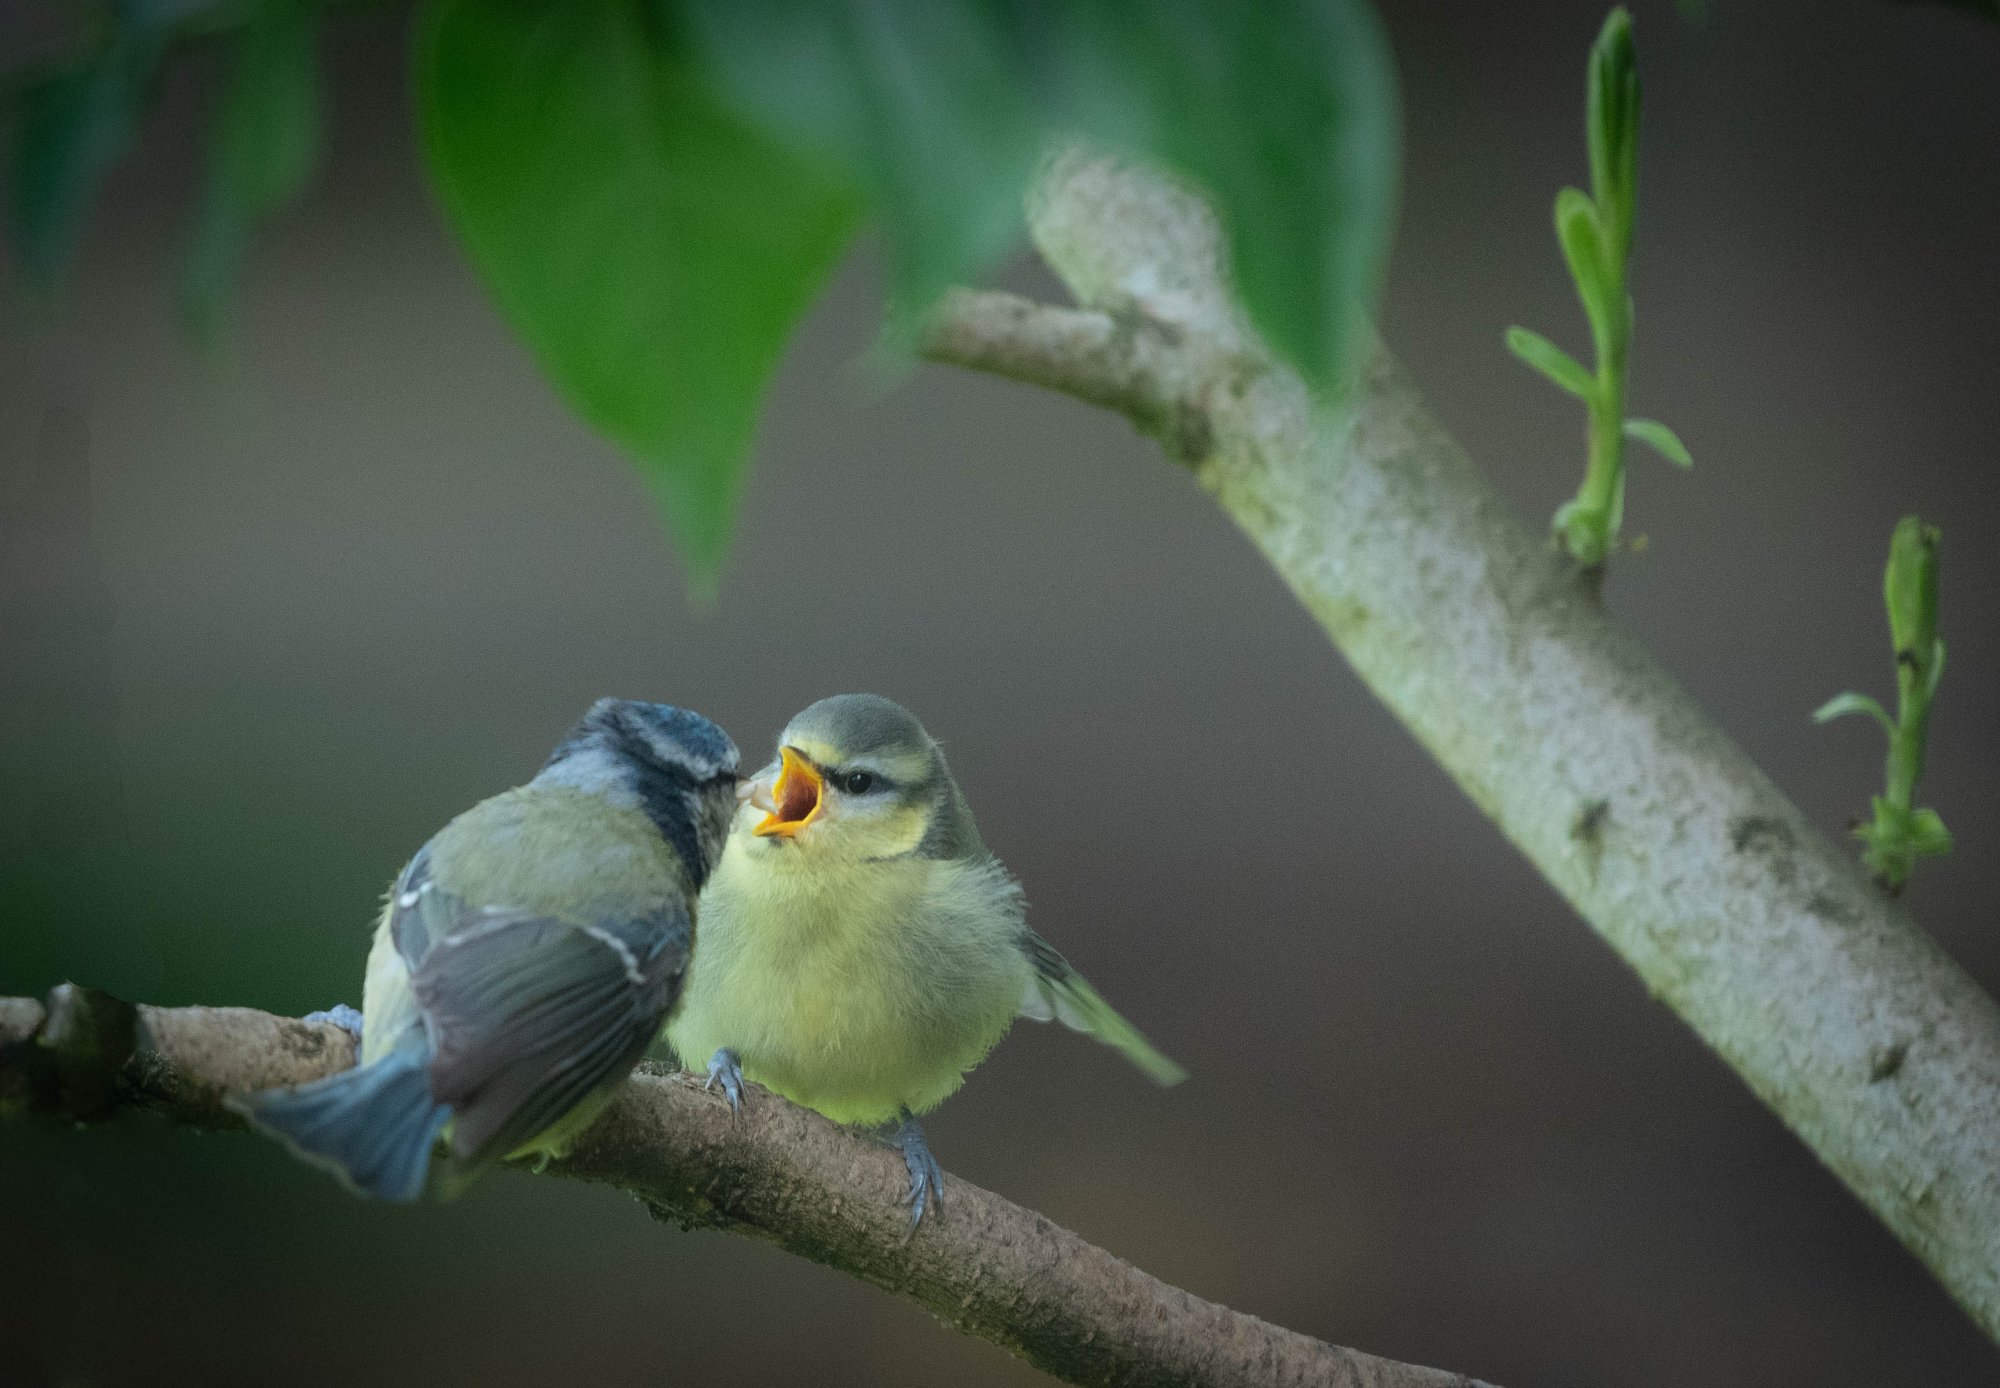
(1057, 992)
(372, 1126)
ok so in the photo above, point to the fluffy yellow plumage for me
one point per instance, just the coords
(858, 988)
(859, 948)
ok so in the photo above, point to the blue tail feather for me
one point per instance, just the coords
(373, 1126)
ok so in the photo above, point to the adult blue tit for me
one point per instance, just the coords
(861, 950)
(526, 958)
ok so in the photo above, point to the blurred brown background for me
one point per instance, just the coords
(267, 621)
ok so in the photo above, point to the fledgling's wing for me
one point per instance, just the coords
(419, 914)
(527, 1016)
(1057, 992)
(531, 1017)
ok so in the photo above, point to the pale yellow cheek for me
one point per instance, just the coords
(845, 837)
(881, 836)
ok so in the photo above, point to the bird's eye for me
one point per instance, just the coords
(858, 782)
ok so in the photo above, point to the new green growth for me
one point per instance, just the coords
(1899, 833)
(1595, 230)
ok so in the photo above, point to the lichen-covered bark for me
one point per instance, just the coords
(1763, 934)
(778, 1172)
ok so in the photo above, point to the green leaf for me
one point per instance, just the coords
(540, 118)
(1552, 361)
(73, 127)
(653, 248)
(1928, 837)
(1840, 705)
(1660, 439)
(1896, 838)
(263, 143)
(1582, 237)
(923, 100)
(1612, 128)
(1285, 112)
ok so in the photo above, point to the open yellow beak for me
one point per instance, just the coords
(798, 795)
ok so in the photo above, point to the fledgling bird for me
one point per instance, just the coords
(527, 957)
(860, 947)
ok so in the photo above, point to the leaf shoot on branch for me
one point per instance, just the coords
(1595, 231)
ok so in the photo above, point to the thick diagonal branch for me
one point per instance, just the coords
(781, 1173)
(1763, 934)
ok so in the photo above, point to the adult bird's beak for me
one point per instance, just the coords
(796, 797)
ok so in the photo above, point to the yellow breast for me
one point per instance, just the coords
(855, 988)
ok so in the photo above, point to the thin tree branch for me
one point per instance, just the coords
(780, 1173)
(1763, 934)
(1130, 363)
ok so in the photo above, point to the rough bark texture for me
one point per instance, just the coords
(779, 1172)
(1763, 934)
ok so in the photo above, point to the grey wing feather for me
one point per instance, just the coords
(1057, 992)
(1045, 999)
(420, 914)
(528, 1017)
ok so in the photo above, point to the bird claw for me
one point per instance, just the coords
(926, 1191)
(348, 1019)
(725, 1067)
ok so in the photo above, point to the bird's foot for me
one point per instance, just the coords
(348, 1019)
(926, 1176)
(725, 1068)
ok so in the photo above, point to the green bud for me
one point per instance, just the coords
(1584, 532)
(1910, 588)
(1613, 127)
(1928, 836)
(1897, 837)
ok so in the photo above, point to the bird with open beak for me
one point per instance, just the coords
(860, 949)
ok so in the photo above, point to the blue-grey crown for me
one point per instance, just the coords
(861, 725)
(664, 734)
(673, 764)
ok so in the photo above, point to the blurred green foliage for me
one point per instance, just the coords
(652, 246)
(72, 125)
(656, 189)
(263, 143)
